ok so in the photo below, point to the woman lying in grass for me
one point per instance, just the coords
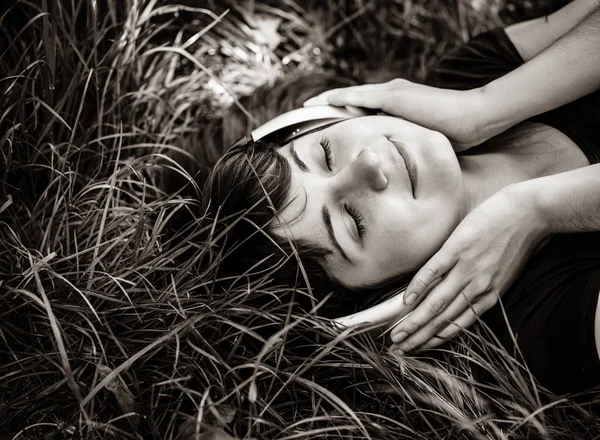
(488, 193)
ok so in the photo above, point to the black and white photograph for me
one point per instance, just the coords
(295, 220)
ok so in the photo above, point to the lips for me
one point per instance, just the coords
(410, 164)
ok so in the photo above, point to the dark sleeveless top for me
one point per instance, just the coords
(551, 307)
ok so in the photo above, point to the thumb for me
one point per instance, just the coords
(316, 100)
(322, 99)
(371, 96)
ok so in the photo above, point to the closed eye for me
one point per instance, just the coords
(358, 220)
(326, 145)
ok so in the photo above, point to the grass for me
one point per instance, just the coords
(110, 325)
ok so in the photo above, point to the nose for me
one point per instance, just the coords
(364, 171)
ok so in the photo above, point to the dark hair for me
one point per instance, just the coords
(248, 186)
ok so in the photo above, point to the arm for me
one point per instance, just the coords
(565, 202)
(561, 73)
(533, 36)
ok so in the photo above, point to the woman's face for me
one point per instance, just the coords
(380, 192)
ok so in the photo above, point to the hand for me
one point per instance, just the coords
(474, 267)
(454, 113)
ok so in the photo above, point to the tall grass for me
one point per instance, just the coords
(110, 324)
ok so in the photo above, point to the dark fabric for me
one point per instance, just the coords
(551, 307)
(491, 55)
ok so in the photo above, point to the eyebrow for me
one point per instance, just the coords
(297, 159)
(329, 228)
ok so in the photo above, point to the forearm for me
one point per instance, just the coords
(565, 71)
(563, 203)
(533, 36)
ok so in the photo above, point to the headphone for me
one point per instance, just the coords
(293, 124)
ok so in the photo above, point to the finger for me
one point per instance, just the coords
(447, 329)
(432, 306)
(374, 96)
(467, 319)
(323, 98)
(439, 325)
(426, 326)
(434, 342)
(319, 99)
(429, 275)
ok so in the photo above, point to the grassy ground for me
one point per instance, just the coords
(110, 326)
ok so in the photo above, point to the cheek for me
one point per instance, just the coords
(409, 240)
(433, 231)
(398, 248)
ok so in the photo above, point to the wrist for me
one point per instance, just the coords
(561, 203)
(525, 197)
(494, 115)
(478, 103)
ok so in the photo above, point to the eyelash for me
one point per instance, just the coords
(358, 219)
(326, 145)
(356, 216)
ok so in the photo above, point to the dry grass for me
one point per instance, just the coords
(109, 324)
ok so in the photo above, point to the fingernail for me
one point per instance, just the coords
(399, 337)
(410, 298)
(315, 100)
(396, 350)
